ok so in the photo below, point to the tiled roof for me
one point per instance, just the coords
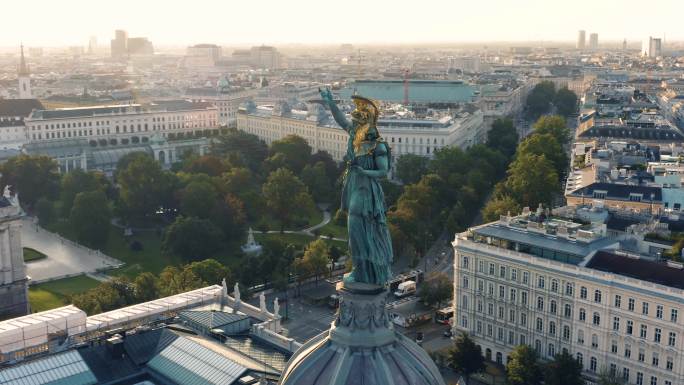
(616, 191)
(646, 270)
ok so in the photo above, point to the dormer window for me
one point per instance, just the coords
(600, 194)
(635, 197)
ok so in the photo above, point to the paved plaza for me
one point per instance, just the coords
(64, 257)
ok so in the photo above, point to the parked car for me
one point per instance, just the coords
(419, 338)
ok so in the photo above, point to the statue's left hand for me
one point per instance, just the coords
(326, 95)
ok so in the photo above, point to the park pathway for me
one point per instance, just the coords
(309, 231)
(64, 257)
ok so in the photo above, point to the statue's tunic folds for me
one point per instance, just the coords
(370, 245)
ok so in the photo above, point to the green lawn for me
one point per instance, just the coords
(273, 224)
(336, 231)
(31, 255)
(299, 240)
(54, 294)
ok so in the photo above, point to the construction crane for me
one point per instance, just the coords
(407, 73)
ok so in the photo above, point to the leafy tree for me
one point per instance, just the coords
(144, 187)
(532, 179)
(466, 357)
(554, 125)
(605, 378)
(33, 177)
(245, 185)
(174, 280)
(499, 206)
(90, 218)
(209, 164)
(563, 370)
(547, 145)
(211, 272)
(540, 98)
(241, 148)
(317, 257)
(45, 211)
(436, 289)
(503, 137)
(523, 367)
(198, 199)
(192, 238)
(335, 253)
(411, 167)
(565, 101)
(145, 287)
(318, 183)
(114, 294)
(295, 150)
(332, 170)
(286, 196)
(391, 190)
(229, 215)
(78, 181)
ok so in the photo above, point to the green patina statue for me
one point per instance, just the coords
(368, 159)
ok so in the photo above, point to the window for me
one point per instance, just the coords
(540, 303)
(540, 282)
(673, 315)
(523, 298)
(511, 316)
(511, 337)
(582, 315)
(618, 300)
(613, 370)
(502, 292)
(579, 358)
(552, 350)
(616, 323)
(552, 307)
(480, 285)
(630, 324)
(479, 306)
(514, 274)
(640, 378)
(583, 292)
(593, 363)
(523, 319)
(568, 289)
(554, 286)
(594, 341)
(656, 335)
(501, 312)
(500, 334)
(491, 269)
(522, 339)
(552, 328)
(669, 364)
(566, 333)
(613, 347)
(641, 356)
(567, 311)
(479, 327)
(580, 337)
(490, 309)
(526, 278)
(502, 272)
(465, 282)
(630, 304)
(597, 319)
(643, 331)
(628, 351)
(537, 346)
(671, 339)
(490, 330)
(480, 266)
(597, 296)
(465, 302)
(659, 311)
(654, 380)
(644, 308)
(655, 360)
(625, 374)
(512, 295)
(540, 325)
(490, 288)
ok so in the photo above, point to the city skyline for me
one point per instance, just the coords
(310, 22)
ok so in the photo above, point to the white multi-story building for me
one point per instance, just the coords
(123, 124)
(405, 136)
(13, 112)
(560, 286)
(226, 100)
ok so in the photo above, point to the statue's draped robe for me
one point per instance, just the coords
(370, 244)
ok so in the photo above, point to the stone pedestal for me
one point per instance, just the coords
(361, 347)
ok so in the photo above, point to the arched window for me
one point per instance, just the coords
(597, 319)
(554, 286)
(552, 307)
(593, 363)
(552, 328)
(566, 333)
(580, 337)
(540, 325)
(594, 341)
(552, 350)
(540, 303)
(582, 315)
(568, 311)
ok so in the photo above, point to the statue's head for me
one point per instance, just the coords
(365, 119)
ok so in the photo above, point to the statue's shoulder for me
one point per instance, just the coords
(381, 147)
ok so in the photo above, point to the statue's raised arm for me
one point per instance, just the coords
(326, 96)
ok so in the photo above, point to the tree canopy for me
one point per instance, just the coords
(565, 101)
(466, 356)
(410, 168)
(523, 367)
(90, 218)
(563, 370)
(33, 177)
(286, 196)
(192, 238)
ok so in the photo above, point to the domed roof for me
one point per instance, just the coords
(361, 347)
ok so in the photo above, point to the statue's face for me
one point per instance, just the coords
(361, 115)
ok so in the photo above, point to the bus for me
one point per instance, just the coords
(444, 315)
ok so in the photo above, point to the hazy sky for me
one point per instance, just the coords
(171, 22)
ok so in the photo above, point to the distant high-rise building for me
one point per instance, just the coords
(581, 39)
(593, 41)
(139, 46)
(92, 45)
(24, 78)
(655, 47)
(265, 57)
(119, 46)
(200, 53)
(624, 45)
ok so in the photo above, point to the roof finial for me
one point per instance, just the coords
(23, 69)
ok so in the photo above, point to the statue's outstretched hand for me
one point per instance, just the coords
(326, 95)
